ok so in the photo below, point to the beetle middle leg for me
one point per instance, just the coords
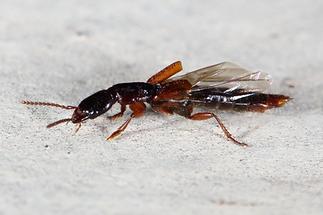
(118, 115)
(138, 109)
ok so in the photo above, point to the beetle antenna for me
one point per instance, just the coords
(58, 122)
(48, 104)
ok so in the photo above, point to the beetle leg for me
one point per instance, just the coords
(186, 109)
(138, 109)
(118, 115)
(208, 115)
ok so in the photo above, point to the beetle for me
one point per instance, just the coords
(220, 86)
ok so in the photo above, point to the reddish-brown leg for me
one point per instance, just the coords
(166, 73)
(208, 115)
(122, 110)
(138, 109)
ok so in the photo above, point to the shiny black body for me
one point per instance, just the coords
(220, 95)
(124, 93)
(237, 100)
(127, 93)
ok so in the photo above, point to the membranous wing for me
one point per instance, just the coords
(227, 76)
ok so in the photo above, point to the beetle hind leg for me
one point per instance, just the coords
(208, 115)
(186, 109)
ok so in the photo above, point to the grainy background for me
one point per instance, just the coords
(63, 51)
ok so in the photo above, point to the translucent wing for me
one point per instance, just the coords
(228, 76)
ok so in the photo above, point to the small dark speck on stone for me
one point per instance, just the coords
(83, 33)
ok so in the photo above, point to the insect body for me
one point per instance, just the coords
(222, 86)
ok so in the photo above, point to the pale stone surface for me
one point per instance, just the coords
(63, 51)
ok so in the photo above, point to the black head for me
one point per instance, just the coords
(90, 108)
(93, 106)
